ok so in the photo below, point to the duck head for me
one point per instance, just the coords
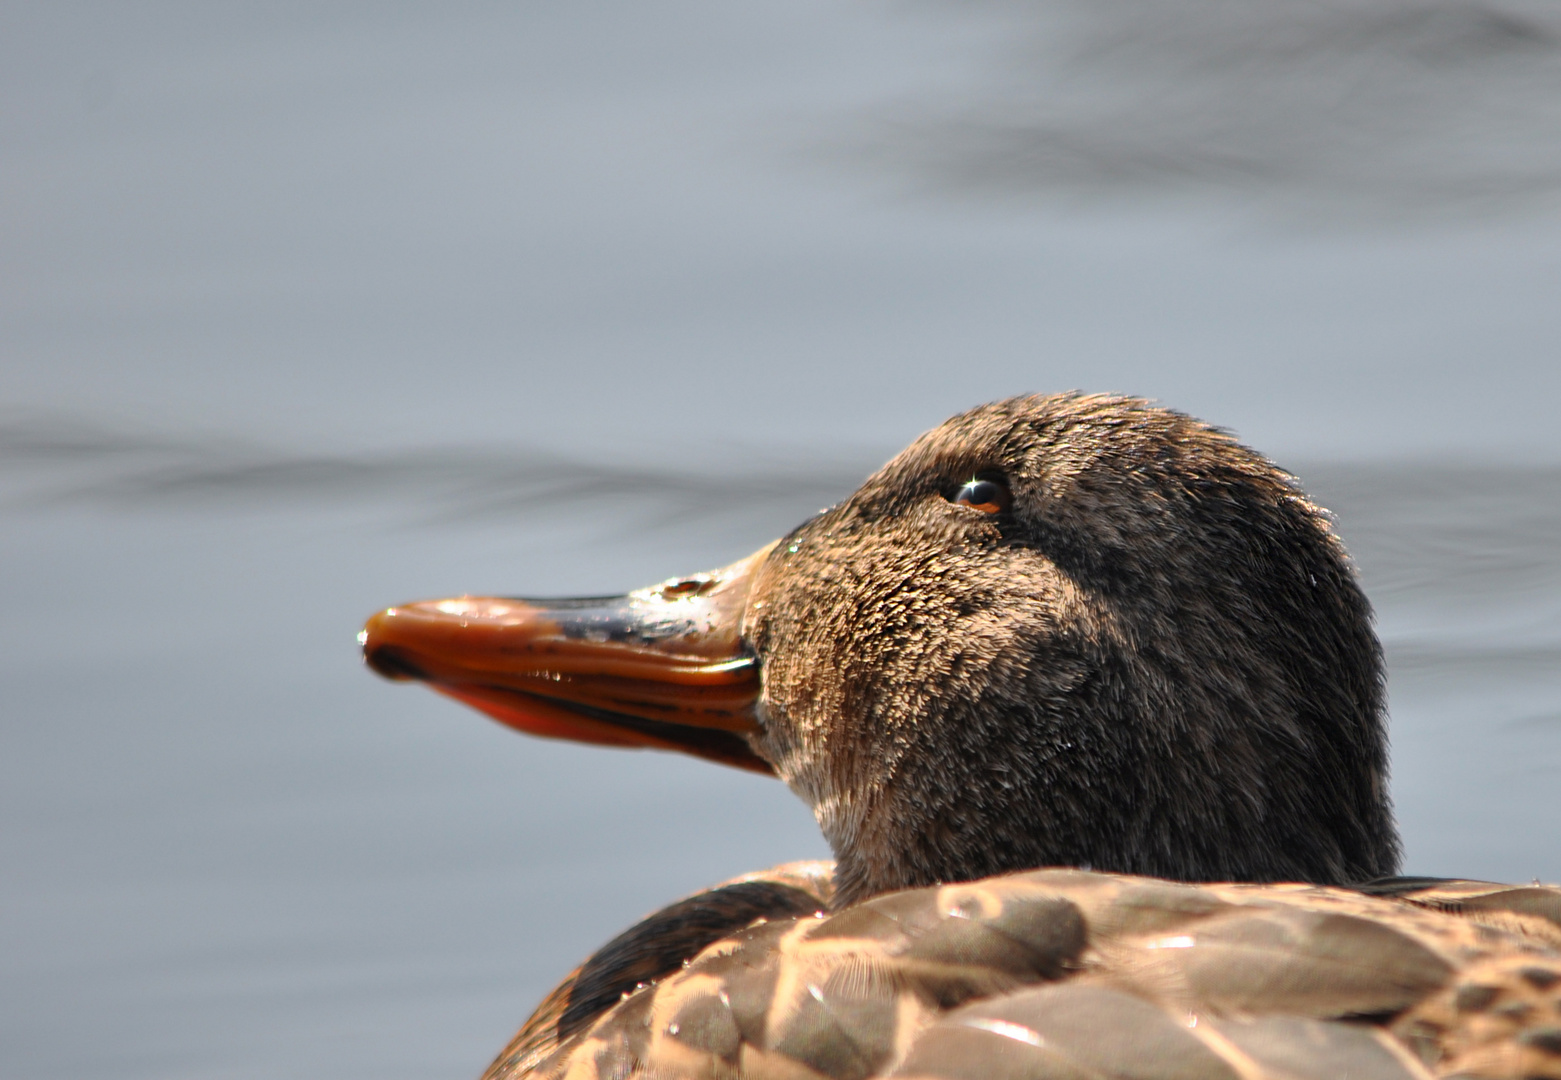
(1067, 630)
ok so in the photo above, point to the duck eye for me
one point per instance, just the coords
(988, 496)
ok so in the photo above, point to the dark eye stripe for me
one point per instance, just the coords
(988, 496)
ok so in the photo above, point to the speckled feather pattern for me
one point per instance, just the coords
(1067, 973)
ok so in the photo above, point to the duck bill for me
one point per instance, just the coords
(663, 667)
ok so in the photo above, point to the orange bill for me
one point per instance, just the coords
(662, 667)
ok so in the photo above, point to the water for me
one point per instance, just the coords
(305, 314)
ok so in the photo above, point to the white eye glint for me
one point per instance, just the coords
(988, 496)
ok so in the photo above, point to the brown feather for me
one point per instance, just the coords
(1236, 980)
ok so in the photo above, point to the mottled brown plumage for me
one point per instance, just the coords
(1141, 652)
(1070, 974)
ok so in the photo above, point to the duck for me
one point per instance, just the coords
(1086, 699)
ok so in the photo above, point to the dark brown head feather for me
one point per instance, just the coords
(1157, 661)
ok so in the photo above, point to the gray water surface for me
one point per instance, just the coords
(305, 312)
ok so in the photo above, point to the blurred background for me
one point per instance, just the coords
(307, 311)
